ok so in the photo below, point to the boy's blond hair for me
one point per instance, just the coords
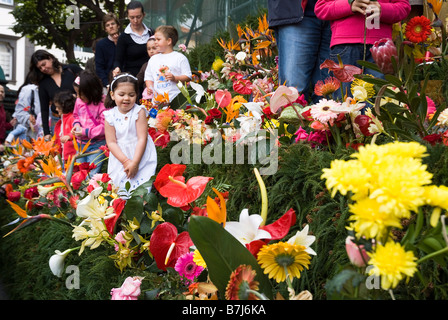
(169, 32)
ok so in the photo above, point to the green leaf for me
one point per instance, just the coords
(394, 80)
(223, 254)
(134, 208)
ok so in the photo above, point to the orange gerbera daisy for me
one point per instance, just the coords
(326, 87)
(242, 279)
(418, 29)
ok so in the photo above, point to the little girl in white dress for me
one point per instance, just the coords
(132, 154)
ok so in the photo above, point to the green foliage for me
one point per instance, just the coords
(223, 253)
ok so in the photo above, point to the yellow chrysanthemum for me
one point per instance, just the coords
(370, 219)
(436, 196)
(392, 263)
(197, 258)
(345, 176)
(282, 259)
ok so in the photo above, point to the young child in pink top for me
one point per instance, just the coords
(88, 118)
(348, 25)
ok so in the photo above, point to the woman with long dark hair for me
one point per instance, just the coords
(52, 77)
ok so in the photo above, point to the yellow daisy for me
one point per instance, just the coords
(282, 259)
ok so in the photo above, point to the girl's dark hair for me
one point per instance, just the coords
(134, 5)
(34, 73)
(90, 87)
(120, 78)
(66, 99)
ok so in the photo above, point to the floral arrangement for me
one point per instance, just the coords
(180, 228)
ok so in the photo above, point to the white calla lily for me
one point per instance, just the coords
(200, 92)
(57, 260)
(247, 229)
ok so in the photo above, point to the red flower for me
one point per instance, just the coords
(343, 73)
(105, 149)
(171, 184)
(118, 205)
(77, 178)
(433, 138)
(208, 120)
(364, 122)
(31, 193)
(167, 246)
(418, 29)
(14, 196)
(223, 98)
(160, 139)
(215, 113)
(242, 86)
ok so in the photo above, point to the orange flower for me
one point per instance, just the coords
(45, 148)
(241, 279)
(435, 5)
(164, 118)
(326, 87)
(418, 29)
(25, 165)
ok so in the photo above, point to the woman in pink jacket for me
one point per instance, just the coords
(88, 118)
(351, 19)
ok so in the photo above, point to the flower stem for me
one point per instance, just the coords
(431, 255)
(257, 294)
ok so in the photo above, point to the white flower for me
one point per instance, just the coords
(442, 120)
(303, 239)
(241, 56)
(199, 91)
(90, 207)
(56, 262)
(248, 228)
(213, 84)
(43, 191)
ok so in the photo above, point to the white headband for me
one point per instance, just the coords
(121, 76)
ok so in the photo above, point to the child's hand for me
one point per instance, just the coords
(130, 168)
(373, 10)
(64, 139)
(32, 120)
(169, 76)
(149, 90)
(76, 130)
(13, 122)
(360, 6)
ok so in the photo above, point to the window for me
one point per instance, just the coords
(7, 59)
(8, 2)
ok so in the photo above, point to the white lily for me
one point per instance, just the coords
(248, 228)
(200, 92)
(43, 191)
(56, 261)
(303, 239)
(90, 207)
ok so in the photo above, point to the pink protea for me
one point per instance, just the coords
(382, 52)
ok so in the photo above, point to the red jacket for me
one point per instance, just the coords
(4, 124)
(63, 128)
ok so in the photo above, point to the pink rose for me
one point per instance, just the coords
(354, 253)
(129, 290)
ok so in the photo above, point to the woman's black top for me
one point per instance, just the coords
(129, 55)
(48, 88)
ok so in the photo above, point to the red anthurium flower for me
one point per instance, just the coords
(242, 86)
(223, 98)
(167, 246)
(118, 205)
(171, 184)
(343, 73)
(278, 230)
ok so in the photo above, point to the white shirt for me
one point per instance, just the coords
(176, 63)
(140, 39)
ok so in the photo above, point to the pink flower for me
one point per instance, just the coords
(120, 238)
(182, 47)
(382, 52)
(322, 111)
(283, 96)
(357, 255)
(129, 290)
(431, 107)
(301, 134)
(187, 267)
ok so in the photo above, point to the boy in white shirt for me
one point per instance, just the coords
(167, 68)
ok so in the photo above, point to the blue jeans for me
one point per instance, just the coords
(18, 132)
(350, 54)
(302, 48)
(96, 158)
